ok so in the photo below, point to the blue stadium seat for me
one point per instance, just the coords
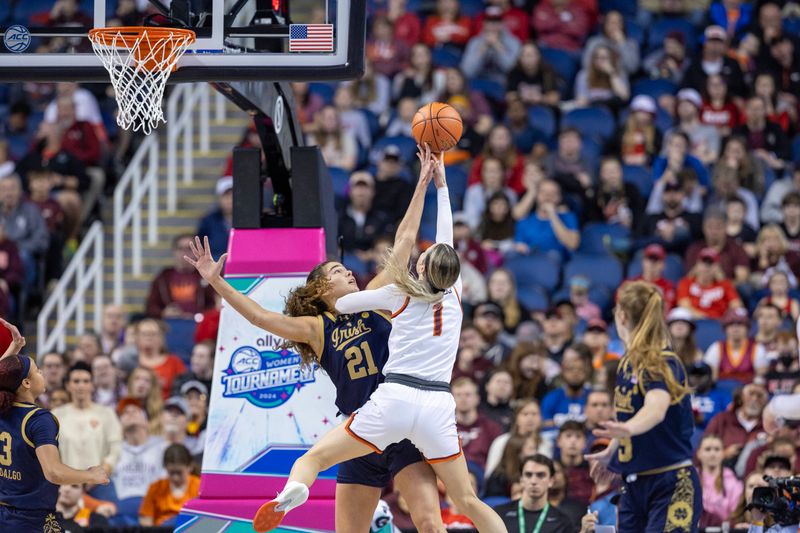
(540, 270)
(658, 32)
(654, 88)
(354, 263)
(796, 148)
(180, 337)
(601, 296)
(127, 512)
(634, 31)
(374, 123)
(604, 239)
(640, 176)
(707, 333)
(324, 90)
(597, 122)
(542, 119)
(601, 270)
(446, 56)
(565, 64)
(673, 267)
(407, 145)
(533, 298)
(591, 149)
(471, 8)
(340, 178)
(491, 89)
(626, 8)
(457, 179)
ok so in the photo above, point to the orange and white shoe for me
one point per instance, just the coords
(270, 515)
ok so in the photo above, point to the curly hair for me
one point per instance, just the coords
(306, 300)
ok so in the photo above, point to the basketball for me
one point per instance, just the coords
(437, 124)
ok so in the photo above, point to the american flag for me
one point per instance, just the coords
(311, 37)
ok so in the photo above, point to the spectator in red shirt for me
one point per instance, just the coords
(571, 442)
(653, 272)
(718, 109)
(179, 291)
(561, 24)
(79, 137)
(741, 424)
(407, 26)
(387, 54)
(705, 291)
(475, 430)
(515, 19)
(447, 26)
(153, 355)
(733, 260)
(499, 144)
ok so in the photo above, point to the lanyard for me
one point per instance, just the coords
(521, 517)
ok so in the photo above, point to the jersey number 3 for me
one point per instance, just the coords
(355, 356)
(5, 449)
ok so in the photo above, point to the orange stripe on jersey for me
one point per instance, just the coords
(437, 319)
(359, 439)
(402, 307)
(448, 458)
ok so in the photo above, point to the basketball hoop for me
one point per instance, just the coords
(140, 61)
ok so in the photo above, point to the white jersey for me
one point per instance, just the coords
(424, 338)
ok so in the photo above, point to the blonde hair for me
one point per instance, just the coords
(153, 403)
(776, 231)
(442, 268)
(649, 337)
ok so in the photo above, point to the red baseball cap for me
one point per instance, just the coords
(597, 324)
(655, 251)
(737, 315)
(709, 254)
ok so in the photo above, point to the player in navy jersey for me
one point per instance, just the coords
(651, 447)
(352, 349)
(30, 466)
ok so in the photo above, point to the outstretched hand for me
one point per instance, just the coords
(438, 171)
(17, 340)
(426, 165)
(203, 261)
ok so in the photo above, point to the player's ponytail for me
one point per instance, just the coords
(11, 369)
(442, 268)
(649, 336)
(307, 300)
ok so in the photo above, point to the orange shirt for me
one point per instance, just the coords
(597, 364)
(167, 371)
(161, 505)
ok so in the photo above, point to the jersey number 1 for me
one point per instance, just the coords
(5, 449)
(355, 356)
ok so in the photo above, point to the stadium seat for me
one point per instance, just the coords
(374, 123)
(127, 512)
(673, 266)
(533, 298)
(707, 333)
(659, 31)
(634, 31)
(565, 64)
(597, 122)
(540, 270)
(601, 296)
(180, 337)
(640, 176)
(654, 88)
(604, 239)
(542, 119)
(341, 180)
(457, 179)
(591, 150)
(407, 145)
(323, 90)
(446, 56)
(601, 270)
(356, 264)
(626, 8)
(796, 148)
(491, 89)
(471, 8)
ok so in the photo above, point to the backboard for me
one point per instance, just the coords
(298, 40)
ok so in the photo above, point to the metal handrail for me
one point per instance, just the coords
(80, 278)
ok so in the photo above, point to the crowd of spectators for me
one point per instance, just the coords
(603, 141)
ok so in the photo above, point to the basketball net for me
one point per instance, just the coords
(140, 61)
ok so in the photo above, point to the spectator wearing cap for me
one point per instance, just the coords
(515, 20)
(708, 400)
(361, 222)
(784, 366)
(742, 423)
(615, 201)
(196, 395)
(721, 488)
(141, 455)
(773, 206)
(175, 423)
(714, 59)
(217, 223)
(475, 430)
(672, 226)
(492, 53)
(732, 258)
(778, 463)
(705, 291)
(489, 319)
(653, 264)
(23, 224)
(339, 147)
(90, 434)
(165, 497)
(718, 109)
(561, 24)
(493, 180)
(502, 290)
(533, 80)
(603, 81)
(738, 356)
(579, 297)
(567, 401)
(737, 227)
(447, 26)
(543, 225)
(704, 139)
(179, 291)
(392, 190)
(596, 339)
(764, 138)
(669, 62)
(638, 141)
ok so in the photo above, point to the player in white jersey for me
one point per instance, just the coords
(414, 401)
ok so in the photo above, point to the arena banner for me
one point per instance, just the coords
(266, 410)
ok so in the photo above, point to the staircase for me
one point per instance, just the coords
(193, 200)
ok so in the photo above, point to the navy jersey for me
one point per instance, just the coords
(669, 442)
(354, 351)
(22, 483)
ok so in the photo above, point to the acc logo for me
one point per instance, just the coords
(266, 379)
(17, 38)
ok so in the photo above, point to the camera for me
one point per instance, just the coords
(781, 499)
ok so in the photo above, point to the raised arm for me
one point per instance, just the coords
(299, 329)
(406, 236)
(444, 213)
(367, 300)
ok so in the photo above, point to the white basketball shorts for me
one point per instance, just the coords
(395, 412)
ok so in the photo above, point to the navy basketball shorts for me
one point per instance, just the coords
(377, 470)
(670, 502)
(29, 520)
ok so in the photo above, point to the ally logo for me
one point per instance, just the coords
(266, 379)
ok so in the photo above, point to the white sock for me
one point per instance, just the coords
(294, 494)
